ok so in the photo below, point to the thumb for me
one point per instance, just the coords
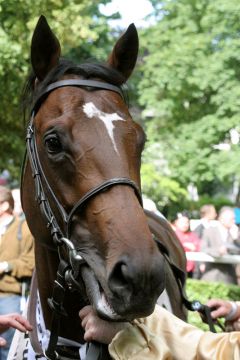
(2, 342)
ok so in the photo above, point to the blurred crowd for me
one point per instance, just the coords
(216, 234)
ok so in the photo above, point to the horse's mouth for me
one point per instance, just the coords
(97, 296)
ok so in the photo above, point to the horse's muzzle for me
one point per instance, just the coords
(135, 288)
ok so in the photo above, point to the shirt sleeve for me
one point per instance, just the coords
(162, 336)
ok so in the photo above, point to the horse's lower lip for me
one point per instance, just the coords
(97, 297)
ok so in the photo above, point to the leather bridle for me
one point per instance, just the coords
(69, 269)
(39, 175)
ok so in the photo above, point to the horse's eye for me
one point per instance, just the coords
(53, 144)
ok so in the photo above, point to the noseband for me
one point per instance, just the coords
(68, 271)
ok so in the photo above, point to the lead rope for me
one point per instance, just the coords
(195, 305)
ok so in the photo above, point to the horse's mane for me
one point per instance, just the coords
(86, 71)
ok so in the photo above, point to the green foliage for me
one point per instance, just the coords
(82, 30)
(203, 291)
(190, 82)
(156, 183)
(161, 189)
(218, 202)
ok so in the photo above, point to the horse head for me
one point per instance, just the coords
(89, 151)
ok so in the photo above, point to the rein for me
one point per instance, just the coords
(180, 278)
(68, 271)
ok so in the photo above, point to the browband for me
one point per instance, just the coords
(76, 82)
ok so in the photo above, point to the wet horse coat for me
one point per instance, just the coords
(83, 166)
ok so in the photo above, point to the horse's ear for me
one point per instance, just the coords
(45, 49)
(124, 55)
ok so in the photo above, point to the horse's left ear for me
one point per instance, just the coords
(124, 55)
(45, 49)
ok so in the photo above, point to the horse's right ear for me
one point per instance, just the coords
(124, 55)
(45, 49)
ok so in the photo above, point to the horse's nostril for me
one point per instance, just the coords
(120, 278)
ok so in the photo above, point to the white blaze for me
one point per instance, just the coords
(92, 111)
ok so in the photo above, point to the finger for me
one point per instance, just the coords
(86, 322)
(19, 323)
(87, 337)
(214, 302)
(2, 342)
(218, 313)
(24, 322)
(91, 334)
(16, 325)
(85, 311)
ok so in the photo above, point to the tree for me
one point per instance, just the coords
(82, 30)
(190, 84)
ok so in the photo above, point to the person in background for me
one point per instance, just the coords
(208, 214)
(188, 239)
(16, 260)
(218, 241)
(160, 336)
(230, 310)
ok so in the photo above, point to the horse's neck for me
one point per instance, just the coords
(46, 268)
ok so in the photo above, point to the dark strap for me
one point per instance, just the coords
(99, 188)
(75, 82)
(180, 277)
(84, 82)
(68, 351)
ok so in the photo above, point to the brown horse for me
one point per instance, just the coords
(83, 168)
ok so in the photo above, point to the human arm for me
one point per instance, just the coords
(162, 336)
(15, 321)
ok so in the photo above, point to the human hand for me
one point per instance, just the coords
(222, 308)
(15, 321)
(97, 329)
